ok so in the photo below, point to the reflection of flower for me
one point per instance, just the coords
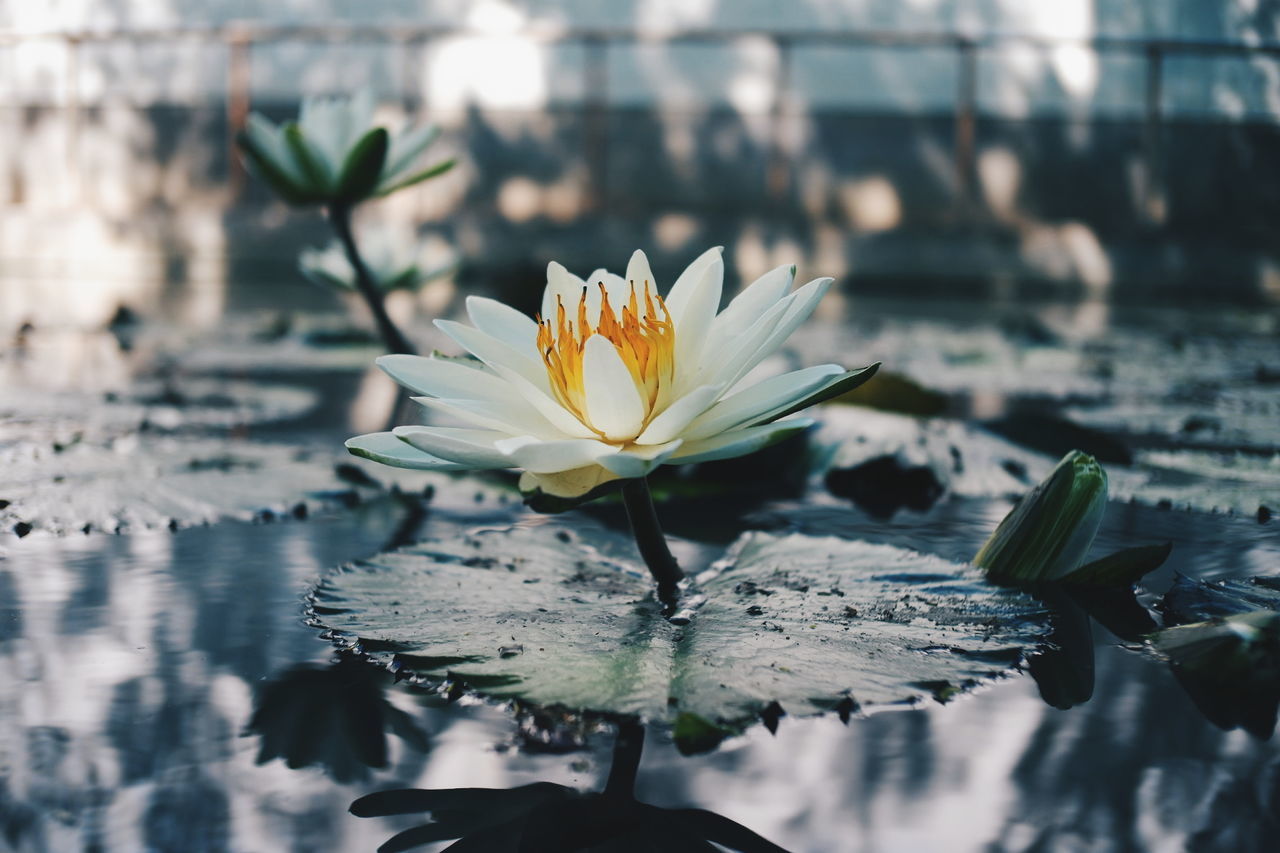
(611, 380)
(334, 153)
(396, 261)
(334, 716)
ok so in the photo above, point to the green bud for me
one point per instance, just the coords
(1049, 533)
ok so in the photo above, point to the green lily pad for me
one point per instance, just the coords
(792, 625)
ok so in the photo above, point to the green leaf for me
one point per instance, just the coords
(310, 163)
(363, 167)
(1048, 534)
(264, 167)
(424, 175)
(791, 625)
(838, 385)
(693, 734)
(1123, 568)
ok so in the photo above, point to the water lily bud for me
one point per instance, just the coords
(333, 153)
(1048, 534)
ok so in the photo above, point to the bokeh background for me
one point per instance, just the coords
(1122, 149)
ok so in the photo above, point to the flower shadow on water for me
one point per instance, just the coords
(544, 816)
(335, 717)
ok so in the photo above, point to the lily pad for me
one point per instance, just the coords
(190, 403)
(131, 483)
(793, 625)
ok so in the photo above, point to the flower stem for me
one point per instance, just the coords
(649, 539)
(392, 338)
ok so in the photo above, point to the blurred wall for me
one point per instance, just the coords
(1098, 147)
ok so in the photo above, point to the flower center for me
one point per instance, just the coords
(644, 340)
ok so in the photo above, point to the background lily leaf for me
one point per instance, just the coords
(425, 175)
(792, 625)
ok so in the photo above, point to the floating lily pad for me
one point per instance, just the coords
(166, 482)
(200, 403)
(782, 625)
(1224, 649)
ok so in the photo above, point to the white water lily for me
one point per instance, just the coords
(335, 153)
(611, 380)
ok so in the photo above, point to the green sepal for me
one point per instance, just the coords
(263, 167)
(363, 167)
(1121, 569)
(424, 175)
(313, 169)
(838, 385)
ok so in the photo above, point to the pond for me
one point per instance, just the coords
(172, 498)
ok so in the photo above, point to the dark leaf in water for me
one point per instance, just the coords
(1224, 648)
(882, 486)
(893, 392)
(593, 637)
(1057, 436)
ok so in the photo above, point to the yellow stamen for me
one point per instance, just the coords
(646, 345)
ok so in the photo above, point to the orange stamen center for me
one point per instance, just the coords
(645, 342)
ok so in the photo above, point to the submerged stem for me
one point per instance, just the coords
(649, 539)
(392, 338)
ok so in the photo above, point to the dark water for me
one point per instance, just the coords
(131, 666)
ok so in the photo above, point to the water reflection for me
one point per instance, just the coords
(335, 717)
(544, 816)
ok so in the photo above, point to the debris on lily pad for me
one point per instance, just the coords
(791, 625)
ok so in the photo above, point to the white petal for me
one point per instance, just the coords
(740, 442)
(496, 353)
(567, 484)
(639, 461)
(559, 417)
(679, 415)
(619, 293)
(548, 457)
(801, 305)
(384, 447)
(720, 366)
(742, 311)
(613, 404)
(442, 377)
(638, 272)
(694, 323)
(505, 323)
(513, 417)
(761, 400)
(470, 447)
(562, 286)
(682, 291)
